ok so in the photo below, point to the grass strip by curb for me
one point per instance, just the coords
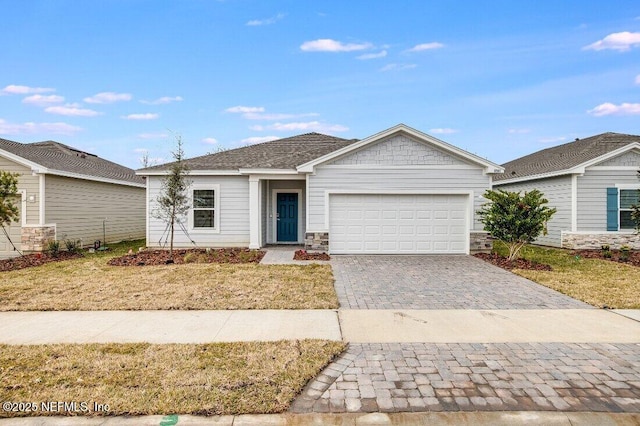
(146, 379)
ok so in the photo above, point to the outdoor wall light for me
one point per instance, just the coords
(31, 198)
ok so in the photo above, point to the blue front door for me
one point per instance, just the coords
(287, 218)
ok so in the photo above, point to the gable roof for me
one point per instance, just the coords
(403, 128)
(59, 159)
(566, 158)
(287, 153)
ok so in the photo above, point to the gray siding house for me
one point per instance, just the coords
(68, 193)
(592, 182)
(398, 191)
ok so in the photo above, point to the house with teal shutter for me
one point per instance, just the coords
(592, 182)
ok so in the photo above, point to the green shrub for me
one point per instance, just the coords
(73, 246)
(625, 253)
(53, 248)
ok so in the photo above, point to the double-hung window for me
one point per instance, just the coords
(628, 197)
(205, 212)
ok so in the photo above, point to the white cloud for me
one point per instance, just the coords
(259, 139)
(366, 56)
(146, 116)
(13, 89)
(72, 110)
(608, 108)
(268, 21)
(108, 98)
(153, 136)
(257, 128)
(244, 109)
(141, 150)
(518, 131)
(397, 67)
(163, 100)
(314, 126)
(329, 45)
(43, 100)
(210, 140)
(442, 131)
(425, 46)
(638, 79)
(31, 128)
(553, 139)
(275, 116)
(617, 41)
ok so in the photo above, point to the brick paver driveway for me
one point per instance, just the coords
(461, 376)
(437, 282)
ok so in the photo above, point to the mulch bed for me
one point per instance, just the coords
(504, 263)
(35, 259)
(305, 255)
(634, 258)
(162, 257)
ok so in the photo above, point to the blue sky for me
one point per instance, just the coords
(500, 79)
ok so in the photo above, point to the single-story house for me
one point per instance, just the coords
(66, 193)
(592, 182)
(398, 191)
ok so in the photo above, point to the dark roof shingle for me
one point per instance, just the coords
(287, 153)
(59, 157)
(566, 156)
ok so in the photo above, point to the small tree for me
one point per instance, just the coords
(173, 201)
(8, 193)
(515, 219)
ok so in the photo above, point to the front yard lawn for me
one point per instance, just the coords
(89, 283)
(601, 283)
(138, 379)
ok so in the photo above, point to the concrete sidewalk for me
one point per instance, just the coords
(467, 418)
(166, 326)
(489, 326)
(355, 326)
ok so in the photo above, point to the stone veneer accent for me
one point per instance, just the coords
(577, 241)
(316, 241)
(480, 242)
(35, 237)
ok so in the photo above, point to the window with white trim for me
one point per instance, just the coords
(628, 197)
(204, 214)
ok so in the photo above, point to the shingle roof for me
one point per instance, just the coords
(566, 156)
(287, 153)
(59, 157)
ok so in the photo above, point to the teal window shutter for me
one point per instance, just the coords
(612, 209)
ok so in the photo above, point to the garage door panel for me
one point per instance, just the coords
(398, 223)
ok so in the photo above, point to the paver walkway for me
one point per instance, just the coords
(437, 282)
(372, 377)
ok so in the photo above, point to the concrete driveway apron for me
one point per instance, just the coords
(558, 362)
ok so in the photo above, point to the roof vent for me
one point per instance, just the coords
(577, 139)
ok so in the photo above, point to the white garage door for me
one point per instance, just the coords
(405, 224)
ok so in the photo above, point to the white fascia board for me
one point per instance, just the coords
(95, 178)
(35, 167)
(268, 171)
(489, 166)
(539, 176)
(191, 172)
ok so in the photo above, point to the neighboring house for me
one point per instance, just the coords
(398, 191)
(592, 182)
(68, 193)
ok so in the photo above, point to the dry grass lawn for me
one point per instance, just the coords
(220, 378)
(597, 282)
(90, 284)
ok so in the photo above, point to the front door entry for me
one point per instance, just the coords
(287, 217)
